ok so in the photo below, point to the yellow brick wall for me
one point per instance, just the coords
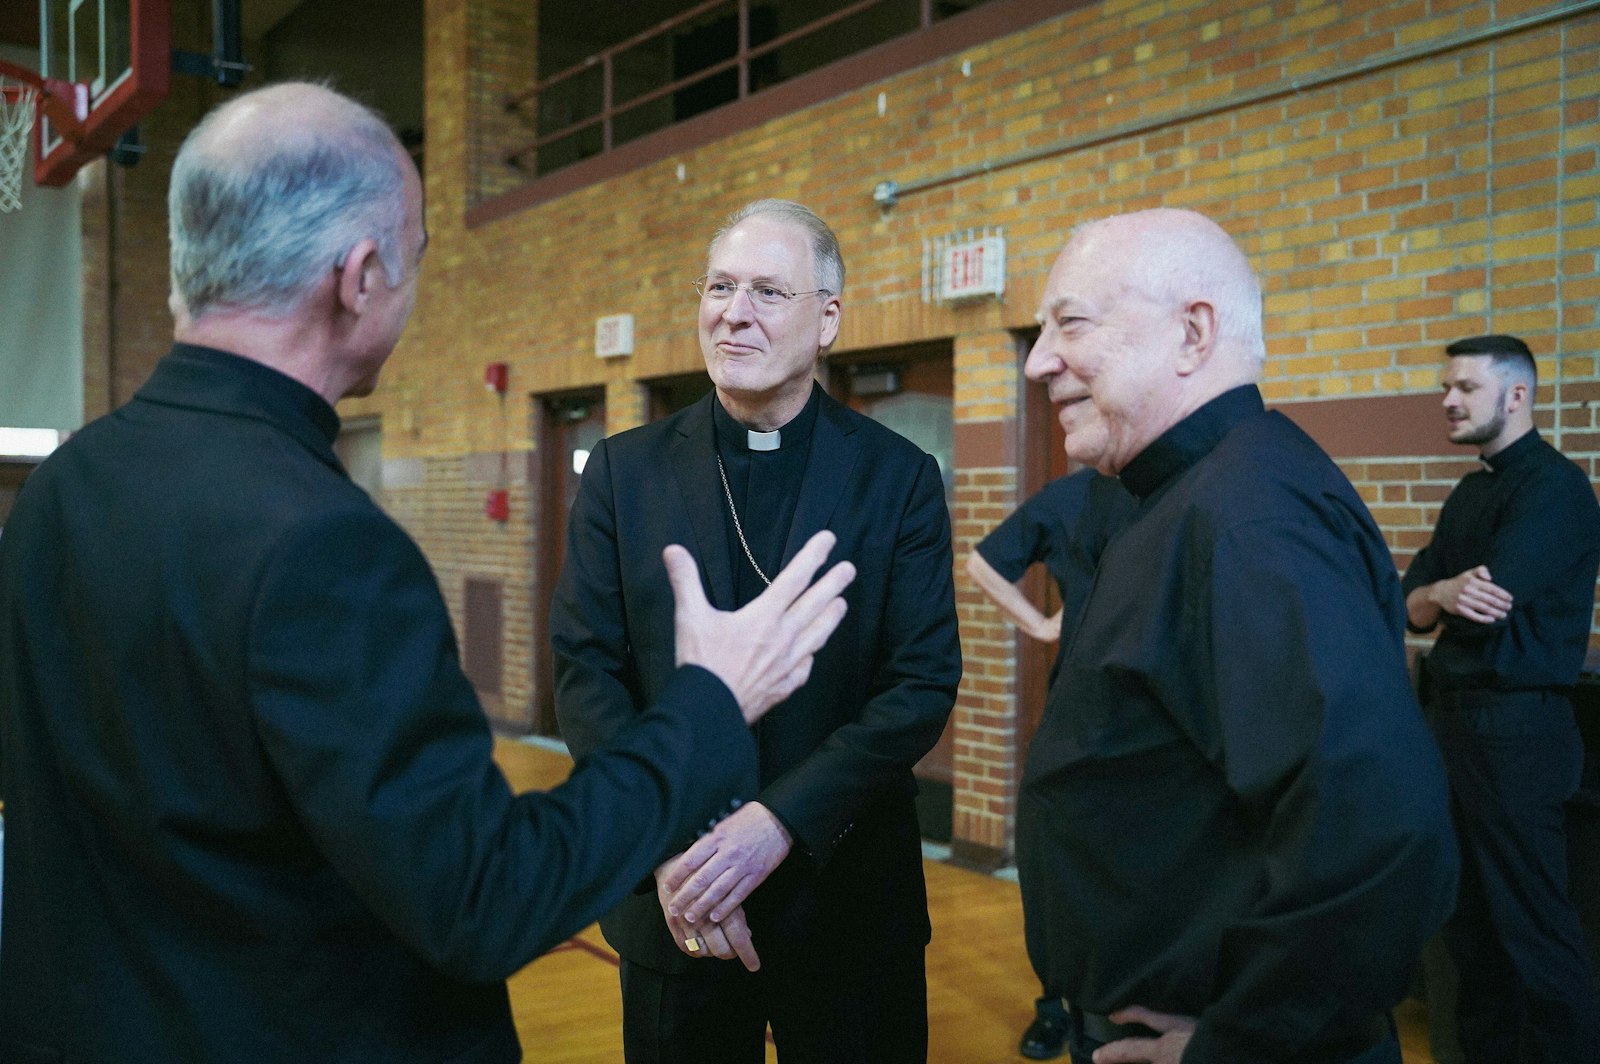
(1387, 212)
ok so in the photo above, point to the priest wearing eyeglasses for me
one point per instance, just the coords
(804, 906)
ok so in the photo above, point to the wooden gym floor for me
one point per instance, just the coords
(980, 988)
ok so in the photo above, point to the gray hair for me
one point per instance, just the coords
(827, 261)
(257, 226)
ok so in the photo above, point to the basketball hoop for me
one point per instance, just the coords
(18, 104)
(23, 94)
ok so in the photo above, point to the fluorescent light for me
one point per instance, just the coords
(580, 458)
(28, 443)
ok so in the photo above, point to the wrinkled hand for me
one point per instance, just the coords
(1175, 1032)
(715, 875)
(764, 651)
(722, 941)
(1473, 595)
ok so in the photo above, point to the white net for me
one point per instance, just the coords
(16, 124)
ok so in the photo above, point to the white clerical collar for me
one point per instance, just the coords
(763, 441)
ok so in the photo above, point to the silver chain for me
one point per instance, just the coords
(738, 527)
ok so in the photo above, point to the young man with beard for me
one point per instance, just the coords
(1510, 577)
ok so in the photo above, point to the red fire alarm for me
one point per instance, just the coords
(495, 375)
(497, 505)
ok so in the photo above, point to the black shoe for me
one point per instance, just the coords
(1046, 1036)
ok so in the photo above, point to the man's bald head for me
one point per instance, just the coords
(1177, 257)
(1146, 317)
(270, 191)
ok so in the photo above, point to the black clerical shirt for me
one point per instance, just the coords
(1232, 809)
(765, 486)
(1530, 516)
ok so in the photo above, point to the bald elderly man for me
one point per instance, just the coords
(1233, 834)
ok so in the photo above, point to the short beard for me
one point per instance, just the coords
(1490, 430)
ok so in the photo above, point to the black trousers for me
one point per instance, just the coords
(1526, 993)
(823, 1010)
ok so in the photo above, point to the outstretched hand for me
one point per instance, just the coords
(764, 651)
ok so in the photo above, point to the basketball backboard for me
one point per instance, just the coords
(122, 51)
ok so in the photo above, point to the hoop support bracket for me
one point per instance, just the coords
(64, 103)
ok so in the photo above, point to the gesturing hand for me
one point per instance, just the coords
(715, 875)
(764, 651)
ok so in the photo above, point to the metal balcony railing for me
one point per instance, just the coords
(754, 62)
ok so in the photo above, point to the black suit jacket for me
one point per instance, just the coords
(251, 812)
(836, 757)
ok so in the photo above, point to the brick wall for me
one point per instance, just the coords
(504, 60)
(440, 501)
(1401, 174)
(985, 760)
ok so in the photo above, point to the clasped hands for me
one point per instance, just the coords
(1473, 594)
(702, 890)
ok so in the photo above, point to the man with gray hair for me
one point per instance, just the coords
(1508, 580)
(252, 810)
(1232, 834)
(814, 885)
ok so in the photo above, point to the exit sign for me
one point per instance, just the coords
(971, 269)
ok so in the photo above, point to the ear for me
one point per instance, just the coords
(1199, 321)
(830, 322)
(359, 271)
(1518, 395)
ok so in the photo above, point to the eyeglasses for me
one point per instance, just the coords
(766, 295)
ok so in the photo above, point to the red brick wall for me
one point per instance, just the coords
(985, 717)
